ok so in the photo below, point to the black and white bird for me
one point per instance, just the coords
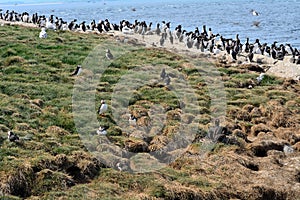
(254, 13)
(77, 71)
(132, 120)
(12, 137)
(102, 108)
(102, 130)
(109, 55)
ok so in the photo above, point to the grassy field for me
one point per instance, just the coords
(55, 115)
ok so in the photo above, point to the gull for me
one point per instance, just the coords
(103, 107)
(43, 33)
(260, 77)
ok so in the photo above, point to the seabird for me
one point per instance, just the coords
(43, 33)
(119, 166)
(167, 79)
(102, 108)
(245, 47)
(109, 55)
(163, 73)
(256, 23)
(162, 39)
(77, 71)
(102, 130)
(233, 54)
(260, 77)
(12, 137)
(250, 55)
(254, 13)
(132, 120)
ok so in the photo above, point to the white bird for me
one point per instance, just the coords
(50, 25)
(109, 55)
(260, 77)
(103, 107)
(43, 33)
(12, 137)
(127, 30)
(101, 131)
(77, 71)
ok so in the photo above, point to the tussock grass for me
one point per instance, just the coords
(52, 160)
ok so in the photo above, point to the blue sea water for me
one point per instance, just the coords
(279, 20)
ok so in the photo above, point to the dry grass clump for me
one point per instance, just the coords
(56, 131)
(13, 60)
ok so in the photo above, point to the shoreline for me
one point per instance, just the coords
(280, 68)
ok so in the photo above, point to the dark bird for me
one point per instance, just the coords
(250, 54)
(77, 71)
(167, 79)
(256, 23)
(233, 54)
(12, 137)
(109, 55)
(163, 73)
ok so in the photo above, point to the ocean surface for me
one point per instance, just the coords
(279, 19)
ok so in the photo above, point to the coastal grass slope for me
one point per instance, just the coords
(53, 162)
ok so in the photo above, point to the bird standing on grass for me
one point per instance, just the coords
(132, 120)
(260, 78)
(77, 71)
(163, 73)
(12, 137)
(43, 33)
(109, 55)
(102, 130)
(103, 108)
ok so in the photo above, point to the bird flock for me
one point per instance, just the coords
(204, 40)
